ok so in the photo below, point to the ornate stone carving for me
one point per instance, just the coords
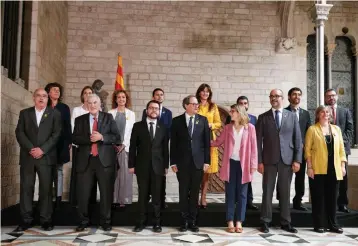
(322, 11)
(285, 9)
(330, 49)
(97, 88)
(285, 45)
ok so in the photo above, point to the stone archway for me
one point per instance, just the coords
(216, 185)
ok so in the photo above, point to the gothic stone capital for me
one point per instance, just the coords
(322, 11)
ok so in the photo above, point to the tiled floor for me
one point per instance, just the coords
(171, 236)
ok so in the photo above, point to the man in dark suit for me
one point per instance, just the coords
(342, 118)
(244, 101)
(96, 135)
(294, 97)
(279, 147)
(165, 117)
(190, 156)
(149, 160)
(37, 133)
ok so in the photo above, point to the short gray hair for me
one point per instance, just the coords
(186, 100)
(94, 95)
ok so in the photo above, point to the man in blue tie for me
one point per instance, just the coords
(279, 145)
(165, 117)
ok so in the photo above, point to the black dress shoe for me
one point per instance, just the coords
(251, 206)
(289, 228)
(81, 227)
(157, 228)
(319, 230)
(343, 209)
(299, 207)
(265, 228)
(184, 227)
(336, 230)
(106, 227)
(23, 227)
(47, 226)
(193, 227)
(139, 227)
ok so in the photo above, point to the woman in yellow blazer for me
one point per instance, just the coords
(210, 110)
(324, 152)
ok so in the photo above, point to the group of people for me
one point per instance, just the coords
(108, 148)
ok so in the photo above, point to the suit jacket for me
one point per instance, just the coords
(316, 149)
(145, 153)
(45, 136)
(63, 152)
(345, 122)
(248, 151)
(304, 121)
(165, 118)
(274, 144)
(81, 137)
(185, 149)
(252, 118)
(130, 120)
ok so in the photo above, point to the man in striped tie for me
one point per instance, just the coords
(95, 133)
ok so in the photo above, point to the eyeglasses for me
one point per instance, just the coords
(194, 104)
(41, 96)
(329, 96)
(274, 96)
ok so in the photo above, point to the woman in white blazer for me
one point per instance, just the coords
(125, 119)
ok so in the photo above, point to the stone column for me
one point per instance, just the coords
(355, 57)
(329, 53)
(322, 11)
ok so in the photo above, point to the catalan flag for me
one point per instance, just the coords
(119, 78)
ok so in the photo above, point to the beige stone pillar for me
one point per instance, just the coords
(329, 52)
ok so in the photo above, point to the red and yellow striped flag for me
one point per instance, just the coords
(119, 78)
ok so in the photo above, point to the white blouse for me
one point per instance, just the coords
(77, 111)
(237, 139)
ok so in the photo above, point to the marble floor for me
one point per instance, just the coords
(170, 236)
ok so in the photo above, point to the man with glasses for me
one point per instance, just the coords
(37, 133)
(279, 145)
(149, 160)
(342, 118)
(190, 157)
(244, 101)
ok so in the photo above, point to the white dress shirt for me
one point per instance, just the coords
(154, 125)
(237, 144)
(92, 122)
(279, 115)
(77, 111)
(39, 114)
(187, 119)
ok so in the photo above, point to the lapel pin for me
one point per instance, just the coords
(197, 122)
(45, 115)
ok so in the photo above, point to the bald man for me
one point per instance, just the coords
(37, 133)
(279, 145)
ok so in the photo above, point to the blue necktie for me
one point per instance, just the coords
(190, 126)
(277, 119)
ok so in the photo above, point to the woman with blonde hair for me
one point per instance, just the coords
(326, 158)
(210, 110)
(125, 119)
(238, 164)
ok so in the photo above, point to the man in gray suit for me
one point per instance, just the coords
(279, 145)
(37, 133)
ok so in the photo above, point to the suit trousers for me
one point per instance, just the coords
(149, 184)
(27, 185)
(235, 193)
(105, 176)
(189, 186)
(58, 179)
(324, 191)
(299, 185)
(343, 188)
(284, 173)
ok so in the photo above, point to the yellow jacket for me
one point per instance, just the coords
(316, 148)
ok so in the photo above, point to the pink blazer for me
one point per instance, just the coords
(248, 151)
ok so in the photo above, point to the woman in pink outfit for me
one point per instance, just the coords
(238, 164)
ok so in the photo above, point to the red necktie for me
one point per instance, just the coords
(334, 115)
(94, 148)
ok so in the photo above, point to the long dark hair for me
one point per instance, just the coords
(48, 87)
(83, 91)
(200, 89)
(114, 98)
